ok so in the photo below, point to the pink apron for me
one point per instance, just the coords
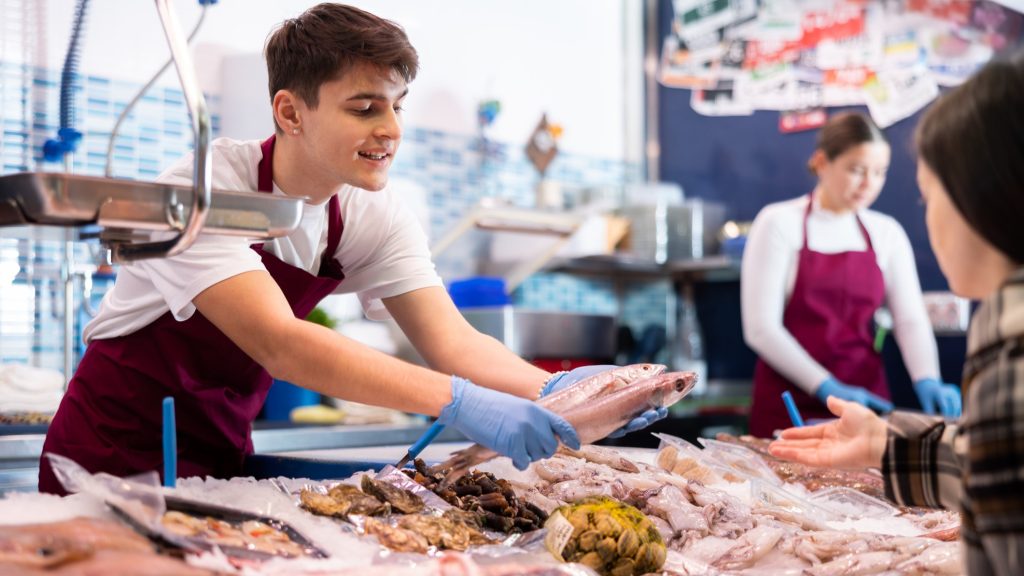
(110, 418)
(830, 314)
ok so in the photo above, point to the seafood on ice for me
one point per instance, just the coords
(718, 528)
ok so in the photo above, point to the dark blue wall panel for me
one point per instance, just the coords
(746, 163)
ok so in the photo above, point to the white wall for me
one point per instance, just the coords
(563, 57)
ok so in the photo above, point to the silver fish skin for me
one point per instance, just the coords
(595, 419)
(602, 416)
(597, 385)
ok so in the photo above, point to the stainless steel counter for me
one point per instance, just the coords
(19, 453)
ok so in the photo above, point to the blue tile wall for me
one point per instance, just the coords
(457, 171)
(155, 133)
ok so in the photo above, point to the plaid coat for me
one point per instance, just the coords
(976, 465)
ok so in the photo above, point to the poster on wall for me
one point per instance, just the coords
(721, 100)
(893, 95)
(792, 56)
(696, 19)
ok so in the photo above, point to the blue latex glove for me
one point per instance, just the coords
(938, 397)
(640, 422)
(512, 426)
(833, 387)
(566, 379)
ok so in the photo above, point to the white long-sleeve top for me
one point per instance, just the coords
(769, 272)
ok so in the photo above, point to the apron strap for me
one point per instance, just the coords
(864, 231)
(335, 227)
(807, 214)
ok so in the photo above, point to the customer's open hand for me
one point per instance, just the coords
(855, 440)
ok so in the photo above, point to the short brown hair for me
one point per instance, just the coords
(324, 42)
(972, 140)
(844, 131)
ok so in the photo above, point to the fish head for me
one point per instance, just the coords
(671, 387)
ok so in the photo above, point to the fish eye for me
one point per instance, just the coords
(680, 384)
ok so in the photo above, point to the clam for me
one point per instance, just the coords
(592, 560)
(624, 567)
(588, 540)
(628, 543)
(607, 549)
(607, 526)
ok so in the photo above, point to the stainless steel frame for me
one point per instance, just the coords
(201, 172)
(128, 210)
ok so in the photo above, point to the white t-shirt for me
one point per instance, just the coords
(769, 273)
(383, 251)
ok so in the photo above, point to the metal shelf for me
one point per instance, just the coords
(501, 219)
(712, 269)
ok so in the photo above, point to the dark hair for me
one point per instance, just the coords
(844, 131)
(973, 140)
(324, 42)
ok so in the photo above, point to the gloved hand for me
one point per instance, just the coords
(566, 379)
(833, 387)
(640, 422)
(512, 426)
(936, 396)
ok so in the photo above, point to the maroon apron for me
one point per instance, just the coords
(110, 418)
(830, 314)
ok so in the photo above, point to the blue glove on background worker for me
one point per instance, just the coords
(565, 379)
(833, 387)
(512, 426)
(937, 397)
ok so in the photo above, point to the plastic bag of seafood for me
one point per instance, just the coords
(681, 458)
(607, 536)
(183, 525)
(743, 460)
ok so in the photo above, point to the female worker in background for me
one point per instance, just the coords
(971, 175)
(815, 270)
